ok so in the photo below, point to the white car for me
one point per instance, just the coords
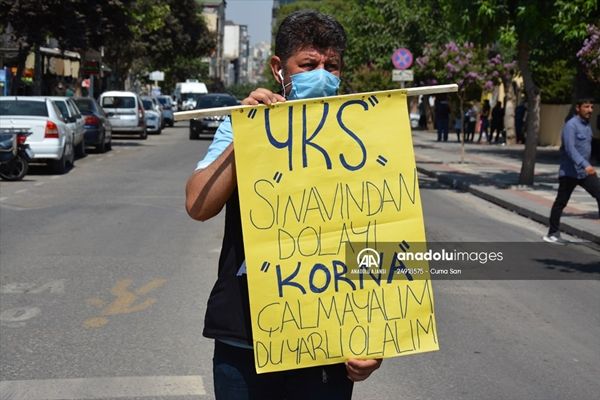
(125, 112)
(51, 141)
(153, 117)
(74, 120)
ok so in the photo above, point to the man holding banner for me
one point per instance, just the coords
(307, 63)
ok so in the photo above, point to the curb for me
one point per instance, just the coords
(464, 185)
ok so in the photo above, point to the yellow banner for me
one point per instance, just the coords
(328, 197)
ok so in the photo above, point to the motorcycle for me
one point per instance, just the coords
(15, 154)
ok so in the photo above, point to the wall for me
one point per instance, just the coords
(552, 119)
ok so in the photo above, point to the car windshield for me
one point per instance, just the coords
(165, 101)
(23, 107)
(216, 101)
(118, 102)
(85, 106)
(147, 104)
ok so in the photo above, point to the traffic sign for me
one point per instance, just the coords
(402, 58)
(156, 76)
(399, 75)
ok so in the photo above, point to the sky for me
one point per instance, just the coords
(254, 13)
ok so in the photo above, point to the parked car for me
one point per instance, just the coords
(125, 112)
(98, 131)
(74, 120)
(167, 111)
(51, 141)
(159, 109)
(209, 124)
(153, 117)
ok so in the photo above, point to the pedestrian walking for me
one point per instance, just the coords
(442, 117)
(471, 121)
(575, 168)
(485, 121)
(308, 59)
(497, 125)
(458, 123)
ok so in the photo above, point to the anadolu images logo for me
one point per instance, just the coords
(368, 258)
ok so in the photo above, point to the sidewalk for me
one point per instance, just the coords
(492, 173)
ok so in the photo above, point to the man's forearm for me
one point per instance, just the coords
(208, 189)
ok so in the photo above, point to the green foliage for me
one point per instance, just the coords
(367, 79)
(573, 16)
(556, 80)
(181, 68)
(167, 35)
(241, 91)
(76, 24)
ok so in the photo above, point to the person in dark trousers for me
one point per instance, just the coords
(470, 122)
(485, 121)
(442, 118)
(497, 123)
(575, 168)
(309, 48)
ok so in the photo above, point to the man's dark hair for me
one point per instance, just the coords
(584, 100)
(306, 28)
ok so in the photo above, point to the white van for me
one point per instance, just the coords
(125, 112)
(186, 93)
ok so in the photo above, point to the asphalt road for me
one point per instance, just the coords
(104, 281)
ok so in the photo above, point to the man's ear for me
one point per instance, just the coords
(276, 67)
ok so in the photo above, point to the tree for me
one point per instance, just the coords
(467, 65)
(524, 24)
(76, 24)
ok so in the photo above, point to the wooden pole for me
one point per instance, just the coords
(415, 91)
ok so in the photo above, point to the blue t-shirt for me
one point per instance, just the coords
(223, 137)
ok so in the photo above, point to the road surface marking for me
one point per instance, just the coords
(38, 184)
(21, 191)
(124, 302)
(16, 317)
(3, 198)
(56, 287)
(100, 388)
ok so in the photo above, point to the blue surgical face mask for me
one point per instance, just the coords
(315, 83)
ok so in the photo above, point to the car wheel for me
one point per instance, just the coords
(109, 144)
(144, 135)
(193, 135)
(80, 150)
(60, 166)
(101, 146)
(159, 131)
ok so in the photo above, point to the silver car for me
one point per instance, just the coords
(125, 112)
(74, 120)
(152, 115)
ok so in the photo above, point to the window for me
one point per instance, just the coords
(84, 105)
(23, 107)
(118, 102)
(208, 101)
(62, 106)
(147, 104)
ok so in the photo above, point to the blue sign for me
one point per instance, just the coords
(402, 58)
